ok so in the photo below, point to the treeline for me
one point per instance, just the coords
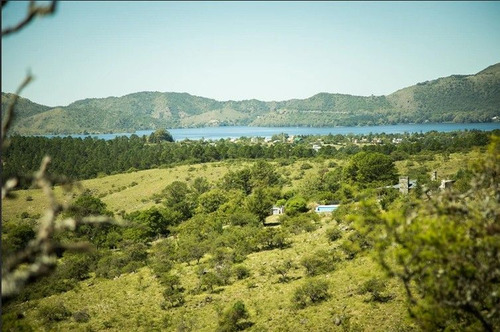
(90, 157)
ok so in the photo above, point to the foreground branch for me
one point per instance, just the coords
(33, 11)
(39, 257)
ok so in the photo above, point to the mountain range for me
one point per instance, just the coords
(456, 98)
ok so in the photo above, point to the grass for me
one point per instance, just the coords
(133, 191)
(132, 301)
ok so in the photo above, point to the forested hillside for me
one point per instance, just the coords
(457, 98)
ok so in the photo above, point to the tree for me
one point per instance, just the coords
(179, 197)
(231, 319)
(370, 168)
(260, 204)
(210, 201)
(89, 206)
(312, 291)
(295, 205)
(157, 222)
(160, 135)
(264, 175)
(448, 252)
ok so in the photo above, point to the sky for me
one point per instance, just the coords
(245, 50)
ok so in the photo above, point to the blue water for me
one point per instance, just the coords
(326, 208)
(216, 133)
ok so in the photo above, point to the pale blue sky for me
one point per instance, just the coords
(243, 50)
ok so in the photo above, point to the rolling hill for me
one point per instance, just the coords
(456, 98)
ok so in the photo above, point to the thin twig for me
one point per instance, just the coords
(33, 11)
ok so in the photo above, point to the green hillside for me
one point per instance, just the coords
(457, 98)
(25, 108)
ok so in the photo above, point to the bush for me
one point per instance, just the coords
(231, 319)
(376, 287)
(173, 291)
(296, 205)
(305, 166)
(300, 223)
(313, 291)
(282, 268)
(208, 280)
(77, 266)
(272, 238)
(321, 261)
(241, 272)
(333, 234)
(13, 321)
(53, 312)
(81, 316)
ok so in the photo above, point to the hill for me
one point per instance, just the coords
(457, 98)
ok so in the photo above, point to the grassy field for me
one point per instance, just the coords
(133, 191)
(133, 300)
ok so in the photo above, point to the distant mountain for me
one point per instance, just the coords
(457, 98)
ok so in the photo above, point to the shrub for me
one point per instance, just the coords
(313, 291)
(321, 261)
(300, 223)
(282, 269)
(241, 272)
(376, 287)
(81, 316)
(295, 205)
(173, 291)
(332, 164)
(77, 266)
(333, 234)
(14, 321)
(231, 319)
(272, 238)
(53, 312)
(305, 166)
(208, 280)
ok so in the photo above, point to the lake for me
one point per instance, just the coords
(216, 133)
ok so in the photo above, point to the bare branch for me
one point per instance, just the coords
(41, 253)
(33, 11)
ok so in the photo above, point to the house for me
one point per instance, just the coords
(326, 208)
(397, 140)
(445, 184)
(404, 185)
(277, 210)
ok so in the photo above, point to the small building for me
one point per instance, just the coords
(277, 210)
(445, 184)
(434, 176)
(404, 185)
(326, 208)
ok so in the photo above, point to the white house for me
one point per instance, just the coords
(277, 210)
